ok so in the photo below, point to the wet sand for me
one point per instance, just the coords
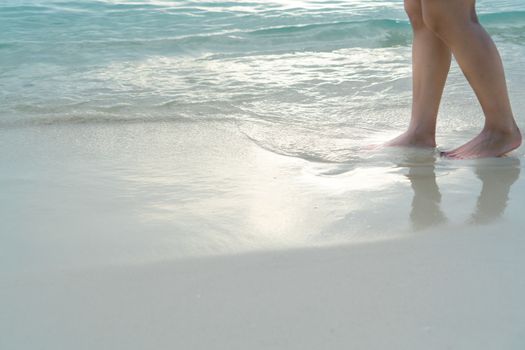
(190, 236)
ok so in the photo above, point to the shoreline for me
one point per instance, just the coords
(180, 236)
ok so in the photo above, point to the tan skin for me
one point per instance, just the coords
(443, 28)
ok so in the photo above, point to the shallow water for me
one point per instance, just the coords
(147, 130)
(279, 69)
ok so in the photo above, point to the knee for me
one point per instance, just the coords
(414, 12)
(436, 15)
(446, 17)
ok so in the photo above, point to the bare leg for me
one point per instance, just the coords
(430, 66)
(456, 23)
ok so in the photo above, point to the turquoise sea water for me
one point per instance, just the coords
(279, 69)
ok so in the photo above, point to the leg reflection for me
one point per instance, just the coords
(494, 195)
(497, 179)
(426, 211)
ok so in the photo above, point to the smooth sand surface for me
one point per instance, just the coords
(174, 236)
(455, 290)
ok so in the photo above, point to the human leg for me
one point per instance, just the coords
(456, 23)
(430, 65)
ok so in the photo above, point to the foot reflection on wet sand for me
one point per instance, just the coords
(494, 195)
(497, 179)
(426, 210)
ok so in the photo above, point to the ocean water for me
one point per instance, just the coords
(279, 69)
(141, 130)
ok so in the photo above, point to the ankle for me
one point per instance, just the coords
(509, 129)
(503, 123)
(421, 133)
(421, 137)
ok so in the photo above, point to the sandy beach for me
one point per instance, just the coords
(456, 290)
(112, 247)
(201, 175)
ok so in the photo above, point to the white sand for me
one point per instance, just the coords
(436, 291)
(108, 243)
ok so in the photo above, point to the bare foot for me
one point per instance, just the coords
(411, 139)
(489, 143)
